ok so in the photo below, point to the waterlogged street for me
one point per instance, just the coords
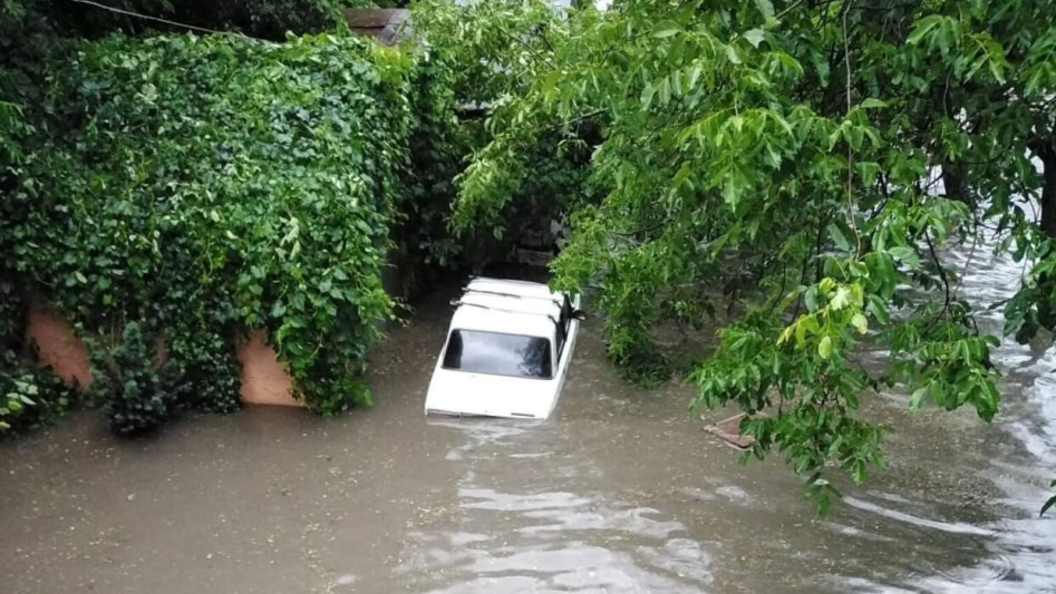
(620, 492)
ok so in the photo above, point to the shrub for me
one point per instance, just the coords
(29, 396)
(134, 392)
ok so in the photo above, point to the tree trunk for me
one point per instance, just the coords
(1047, 282)
(955, 183)
(1048, 190)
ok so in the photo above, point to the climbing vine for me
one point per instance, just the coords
(29, 396)
(211, 185)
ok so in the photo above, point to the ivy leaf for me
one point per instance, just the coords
(278, 309)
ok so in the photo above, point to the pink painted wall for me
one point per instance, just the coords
(264, 378)
(59, 348)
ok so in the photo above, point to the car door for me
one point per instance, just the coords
(567, 328)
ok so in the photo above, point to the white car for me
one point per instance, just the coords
(507, 351)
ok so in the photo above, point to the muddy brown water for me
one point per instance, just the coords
(619, 492)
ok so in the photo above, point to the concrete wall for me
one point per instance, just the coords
(264, 378)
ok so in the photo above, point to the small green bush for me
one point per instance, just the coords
(134, 392)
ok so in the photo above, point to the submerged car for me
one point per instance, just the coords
(507, 351)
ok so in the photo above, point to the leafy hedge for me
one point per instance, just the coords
(211, 185)
(29, 396)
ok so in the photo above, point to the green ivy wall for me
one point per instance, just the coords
(206, 192)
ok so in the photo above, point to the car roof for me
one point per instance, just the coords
(518, 307)
(524, 289)
(508, 304)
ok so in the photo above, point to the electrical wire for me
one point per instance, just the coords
(165, 21)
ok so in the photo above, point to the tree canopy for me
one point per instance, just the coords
(811, 158)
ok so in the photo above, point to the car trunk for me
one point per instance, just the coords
(461, 393)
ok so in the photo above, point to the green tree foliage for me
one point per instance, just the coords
(485, 54)
(804, 163)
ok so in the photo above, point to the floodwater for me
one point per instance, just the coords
(621, 491)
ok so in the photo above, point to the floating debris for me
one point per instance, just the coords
(729, 431)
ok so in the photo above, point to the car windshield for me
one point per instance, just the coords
(499, 354)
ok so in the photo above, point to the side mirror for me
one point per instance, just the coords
(579, 314)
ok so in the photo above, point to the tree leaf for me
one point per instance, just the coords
(810, 298)
(731, 55)
(860, 323)
(766, 8)
(667, 29)
(922, 28)
(755, 36)
(825, 347)
(1048, 505)
(906, 255)
(647, 95)
(841, 299)
(917, 398)
(839, 237)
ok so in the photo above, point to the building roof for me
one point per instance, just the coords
(383, 24)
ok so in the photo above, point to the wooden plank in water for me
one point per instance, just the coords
(729, 431)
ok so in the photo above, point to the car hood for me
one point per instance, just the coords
(476, 394)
